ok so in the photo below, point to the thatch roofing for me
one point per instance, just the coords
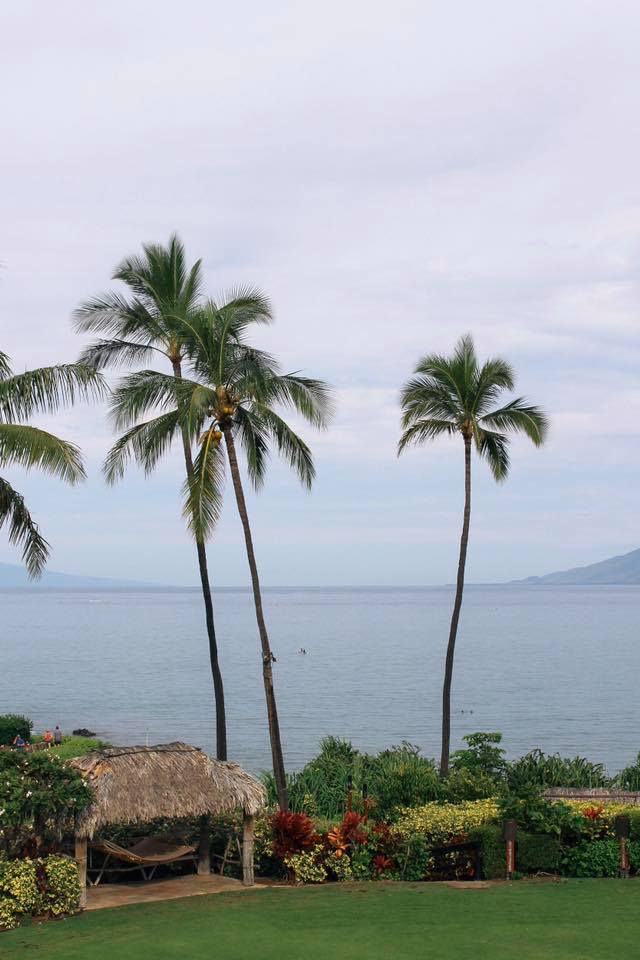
(138, 784)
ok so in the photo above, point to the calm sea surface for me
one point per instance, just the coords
(551, 667)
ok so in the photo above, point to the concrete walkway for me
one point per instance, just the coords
(121, 894)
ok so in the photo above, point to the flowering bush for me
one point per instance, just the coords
(48, 886)
(599, 819)
(441, 822)
(307, 867)
(39, 796)
(62, 892)
(339, 867)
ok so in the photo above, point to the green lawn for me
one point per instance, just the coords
(573, 920)
(75, 746)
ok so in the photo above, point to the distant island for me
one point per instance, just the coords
(13, 577)
(624, 569)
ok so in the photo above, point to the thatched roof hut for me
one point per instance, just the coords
(138, 784)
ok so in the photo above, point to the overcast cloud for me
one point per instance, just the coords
(392, 175)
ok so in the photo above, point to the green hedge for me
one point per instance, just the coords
(592, 858)
(534, 852)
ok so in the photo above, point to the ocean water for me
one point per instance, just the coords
(551, 667)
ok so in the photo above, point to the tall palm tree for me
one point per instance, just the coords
(233, 396)
(151, 321)
(22, 395)
(455, 396)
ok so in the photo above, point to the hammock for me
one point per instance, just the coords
(146, 856)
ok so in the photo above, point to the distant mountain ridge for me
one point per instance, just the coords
(624, 569)
(13, 576)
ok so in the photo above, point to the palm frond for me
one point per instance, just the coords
(47, 389)
(138, 393)
(145, 444)
(520, 417)
(494, 448)
(110, 313)
(29, 447)
(5, 366)
(311, 398)
(254, 438)
(289, 445)
(241, 306)
(115, 353)
(160, 278)
(494, 376)
(426, 429)
(203, 489)
(23, 531)
(424, 397)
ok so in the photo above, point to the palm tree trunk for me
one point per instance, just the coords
(453, 630)
(267, 656)
(218, 687)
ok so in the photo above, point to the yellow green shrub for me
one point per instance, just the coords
(440, 822)
(49, 886)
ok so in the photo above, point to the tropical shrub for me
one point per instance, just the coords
(537, 769)
(292, 833)
(481, 755)
(401, 777)
(629, 778)
(534, 814)
(12, 724)
(440, 823)
(39, 797)
(347, 833)
(339, 867)
(464, 784)
(321, 787)
(307, 867)
(393, 778)
(592, 858)
(48, 886)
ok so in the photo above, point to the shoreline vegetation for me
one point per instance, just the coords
(352, 817)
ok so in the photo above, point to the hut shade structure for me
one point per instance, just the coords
(138, 784)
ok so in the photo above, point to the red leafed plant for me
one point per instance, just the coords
(593, 813)
(347, 833)
(382, 863)
(350, 828)
(292, 833)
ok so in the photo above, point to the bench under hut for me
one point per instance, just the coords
(172, 780)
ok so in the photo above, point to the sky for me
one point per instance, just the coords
(392, 176)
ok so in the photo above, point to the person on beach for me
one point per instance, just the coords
(48, 739)
(57, 736)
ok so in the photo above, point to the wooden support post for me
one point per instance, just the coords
(81, 860)
(247, 850)
(622, 829)
(510, 830)
(204, 849)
